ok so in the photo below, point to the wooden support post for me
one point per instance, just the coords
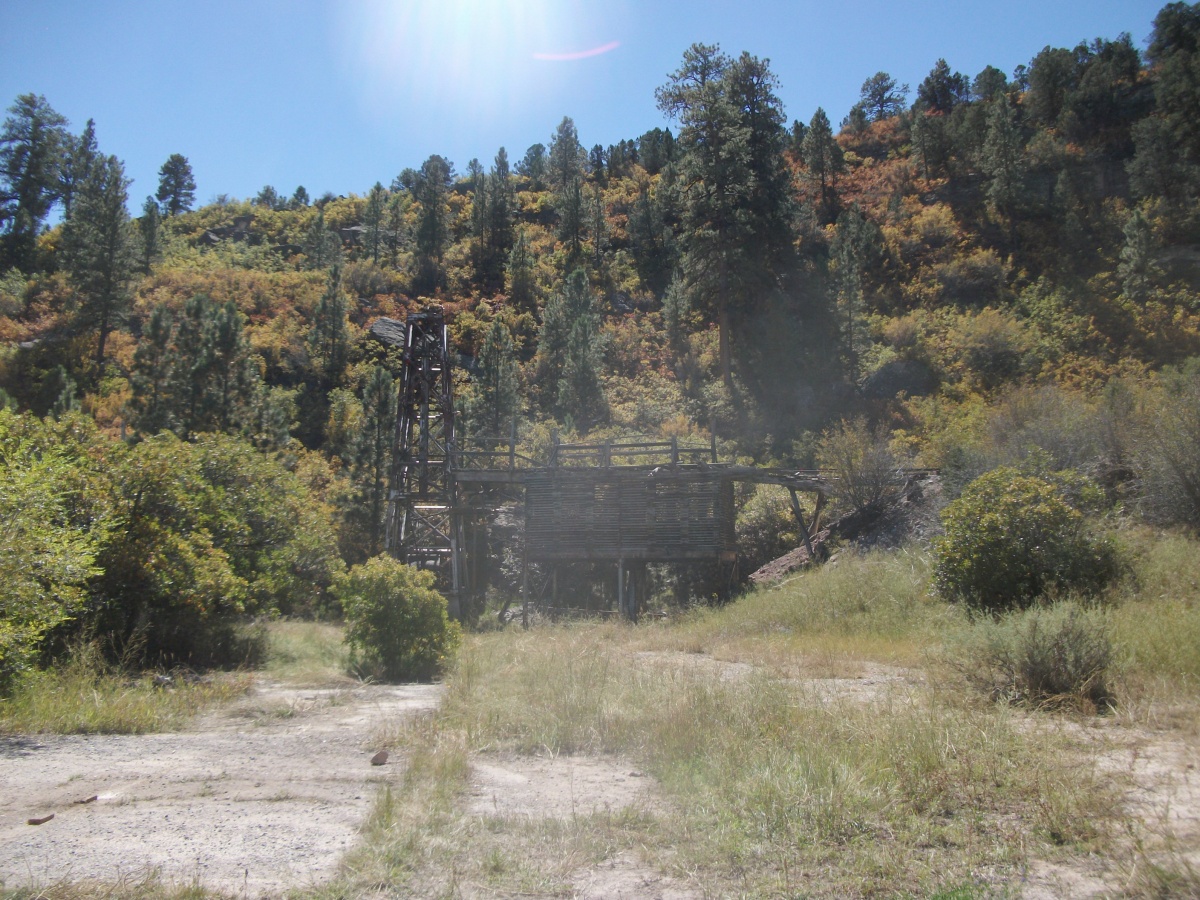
(674, 450)
(524, 591)
(621, 588)
(805, 536)
(816, 522)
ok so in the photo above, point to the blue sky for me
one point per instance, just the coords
(337, 95)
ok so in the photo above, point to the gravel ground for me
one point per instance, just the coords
(265, 795)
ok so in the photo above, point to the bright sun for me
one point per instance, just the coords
(473, 58)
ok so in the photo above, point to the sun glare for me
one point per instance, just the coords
(483, 59)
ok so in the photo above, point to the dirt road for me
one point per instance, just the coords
(264, 795)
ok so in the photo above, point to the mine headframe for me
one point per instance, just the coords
(423, 527)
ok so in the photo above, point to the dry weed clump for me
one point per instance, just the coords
(87, 695)
(1041, 657)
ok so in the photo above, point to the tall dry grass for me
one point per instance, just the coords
(773, 782)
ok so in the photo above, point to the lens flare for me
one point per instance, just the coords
(581, 54)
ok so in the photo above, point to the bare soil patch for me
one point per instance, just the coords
(264, 795)
(559, 787)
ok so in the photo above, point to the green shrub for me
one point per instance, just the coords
(1012, 537)
(397, 626)
(1040, 657)
(49, 535)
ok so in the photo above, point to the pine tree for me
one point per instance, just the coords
(152, 406)
(372, 457)
(1003, 161)
(234, 381)
(566, 180)
(854, 247)
(373, 221)
(1138, 268)
(329, 337)
(495, 394)
(824, 158)
(496, 226)
(31, 156)
(191, 367)
(176, 185)
(733, 182)
(79, 156)
(568, 360)
(201, 376)
(321, 245)
(100, 252)
(431, 189)
(520, 277)
(149, 227)
(881, 97)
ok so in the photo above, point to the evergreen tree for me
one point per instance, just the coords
(480, 218)
(495, 398)
(1175, 53)
(149, 227)
(78, 158)
(676, 311)
(520, 277)
(1138, 268)
(234, 381)
(208, 378)
(372, 456)
(100, 253)
(500, 208)
(533, 167)
(321, 245)
(566, 180)
(268, 198)
(329, 337)
(881, 97)
(823, 157)
(733, 182)
(431, 189)
(152, 406)
(1003, 161)
(942, 89)
(651, 240)
(176, 185)
(397, 212)
(62, 392)
(569, 354)
(855, 245)
(989, 83)
(31, 158)
(373, 221)
(192, 367)
(299, 199)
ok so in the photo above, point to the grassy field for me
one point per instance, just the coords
(809, 740)
(816, 739)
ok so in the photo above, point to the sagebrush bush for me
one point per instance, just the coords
(1011, 537)
(397, 625)
(1044, 656)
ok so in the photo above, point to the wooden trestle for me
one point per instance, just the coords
(626, 503)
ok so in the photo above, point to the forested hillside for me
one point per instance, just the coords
(986, 268)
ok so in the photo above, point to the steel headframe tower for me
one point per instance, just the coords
(424, 527)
